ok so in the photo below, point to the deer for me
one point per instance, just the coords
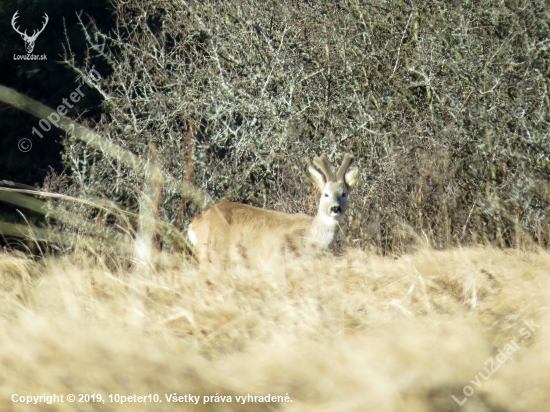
(29, 40)
(235, 229)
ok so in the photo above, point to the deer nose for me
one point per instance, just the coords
(336, 210)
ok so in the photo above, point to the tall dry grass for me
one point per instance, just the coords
(357, 332)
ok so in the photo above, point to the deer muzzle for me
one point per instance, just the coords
(335, 211)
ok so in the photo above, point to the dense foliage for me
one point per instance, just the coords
(444, 104)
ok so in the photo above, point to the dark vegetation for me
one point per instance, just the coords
(47, 81)
(444, 104)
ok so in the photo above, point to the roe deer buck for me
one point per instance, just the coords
(257, 233)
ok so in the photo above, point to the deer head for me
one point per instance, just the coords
(29, 40)
(334, 187)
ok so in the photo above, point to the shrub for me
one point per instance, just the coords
(444, 104)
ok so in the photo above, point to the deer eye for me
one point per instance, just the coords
(343, 195)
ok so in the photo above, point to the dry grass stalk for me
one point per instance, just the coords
(353, 333)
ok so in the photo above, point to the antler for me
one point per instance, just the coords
(24, 34)
(13, 19)
(346, 163)
(36, 33)
(322, 163)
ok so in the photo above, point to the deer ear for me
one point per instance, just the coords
(352, 176)
(318, 177)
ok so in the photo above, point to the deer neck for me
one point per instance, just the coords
(324, 230)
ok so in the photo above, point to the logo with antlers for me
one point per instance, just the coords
(29, 40)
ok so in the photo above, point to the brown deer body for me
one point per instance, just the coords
(234, 230)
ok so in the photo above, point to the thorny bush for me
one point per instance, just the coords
(444, 104)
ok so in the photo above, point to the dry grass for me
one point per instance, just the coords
(352, 333)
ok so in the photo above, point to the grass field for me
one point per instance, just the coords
(358, 332)
(445, 106)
